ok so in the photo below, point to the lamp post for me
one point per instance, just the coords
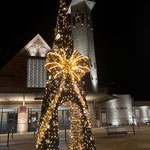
(133, 125)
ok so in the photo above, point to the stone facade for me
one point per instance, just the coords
(103, 108)
(15, 92)
(22, 125)
(118, 111)
(141, 113)
(82, 31)
(21, 97)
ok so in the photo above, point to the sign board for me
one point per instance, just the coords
(23, 109)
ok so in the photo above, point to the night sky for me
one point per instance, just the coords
(121, 34)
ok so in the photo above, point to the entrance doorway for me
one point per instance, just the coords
(64, 119)
(8, 120)
(33, 119)
(12, 121)
(64, 126)
(104, 117)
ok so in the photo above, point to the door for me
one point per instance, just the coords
(64, 119)
(33, 119)
(12, 121)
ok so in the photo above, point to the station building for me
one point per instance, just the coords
(22, 84)
(23, 80)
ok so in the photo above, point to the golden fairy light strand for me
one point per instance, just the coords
(57, 64)
(76, 134)
(61, 63)
(76, 88)
(48, 116)
(76, 128)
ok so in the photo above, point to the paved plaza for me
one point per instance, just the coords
(139, 141)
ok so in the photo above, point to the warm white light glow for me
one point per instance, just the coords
(32, 51)
(58, 65)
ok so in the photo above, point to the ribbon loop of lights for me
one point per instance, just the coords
(58, 65)
(66, 68)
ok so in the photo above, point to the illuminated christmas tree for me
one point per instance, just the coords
(66, 68)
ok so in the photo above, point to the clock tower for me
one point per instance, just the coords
(82, 31)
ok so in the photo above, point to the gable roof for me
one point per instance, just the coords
(13, 76)
(37, 47)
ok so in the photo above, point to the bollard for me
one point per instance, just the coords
(12, 133)
(34, 131)
(133, 125)
(123, 124)
(138, 125)
(65, 134)
(107, 124)
(133, 129)
(8, 138)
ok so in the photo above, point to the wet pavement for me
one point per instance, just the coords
(139, 141)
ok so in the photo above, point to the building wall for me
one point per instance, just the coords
(82, 31)
(11, 115)
(141, 114)
(117, 111)
(14, 92)
(27, 119)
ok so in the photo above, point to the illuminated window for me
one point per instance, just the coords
(36, 73)
(149, 113)
(95, 65)
(137, 113)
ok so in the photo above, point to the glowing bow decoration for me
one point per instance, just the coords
(58, 65)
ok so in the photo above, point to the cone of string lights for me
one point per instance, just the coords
(65, 67)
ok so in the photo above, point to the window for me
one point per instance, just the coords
(149, 113)
(95, 65)
(8, 119)
(33, 118)
(36, 73)
(104, 118)
(137, 113)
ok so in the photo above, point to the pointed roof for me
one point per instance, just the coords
(38, 36)
(13, 76)
(36, 47)
(89, 3)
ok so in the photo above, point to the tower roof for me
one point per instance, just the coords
(89, 3)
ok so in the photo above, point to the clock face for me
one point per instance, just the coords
(78, 17)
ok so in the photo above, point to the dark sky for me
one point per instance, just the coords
(121, 33)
